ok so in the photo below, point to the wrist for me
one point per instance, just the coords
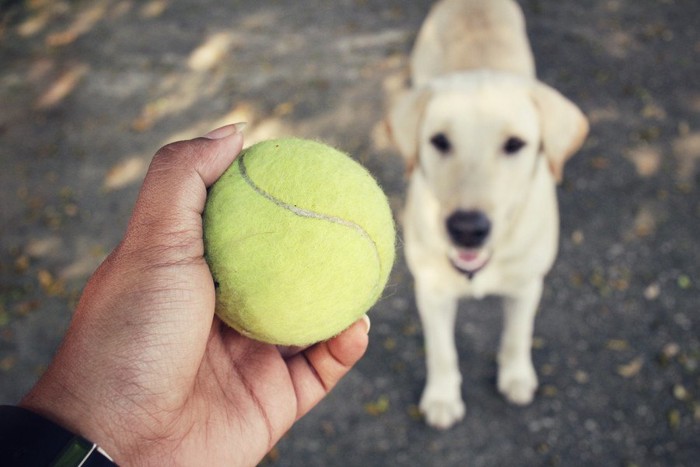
(70, 408)
(78, 414)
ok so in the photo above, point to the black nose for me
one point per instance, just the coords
(468, 228)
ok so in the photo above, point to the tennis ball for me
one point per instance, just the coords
(299, 239)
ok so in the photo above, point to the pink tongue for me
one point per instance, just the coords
(468, 255)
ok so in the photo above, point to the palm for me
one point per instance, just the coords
(214, 388)
(242, 391)
(219, 392)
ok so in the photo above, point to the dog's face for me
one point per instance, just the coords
(478, 150)
(477, 140)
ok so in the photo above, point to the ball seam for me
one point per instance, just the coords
(314, 215)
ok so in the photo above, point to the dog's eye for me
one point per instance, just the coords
(441, 143)
(513, 145)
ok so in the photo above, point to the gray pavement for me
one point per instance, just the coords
(90, 89)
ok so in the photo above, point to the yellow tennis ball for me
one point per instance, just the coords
(300, 241)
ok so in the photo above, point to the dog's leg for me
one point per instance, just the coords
(517, 379)
(441, 402)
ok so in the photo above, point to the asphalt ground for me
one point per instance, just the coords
(89, 90)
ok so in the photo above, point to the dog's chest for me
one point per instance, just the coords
(477, 286)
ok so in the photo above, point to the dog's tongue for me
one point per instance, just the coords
(469, 260)
(468, 255)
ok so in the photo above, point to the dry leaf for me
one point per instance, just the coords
(618, 345)
(49, 284)
(631, 369)
(380, 406)
(124, 173)
(674, 419)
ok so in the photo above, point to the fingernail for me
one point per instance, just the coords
(367, 322)
(226, 130)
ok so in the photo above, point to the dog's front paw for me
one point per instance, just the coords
(517, 382)
(440, 409)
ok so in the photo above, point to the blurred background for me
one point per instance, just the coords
(89, 90)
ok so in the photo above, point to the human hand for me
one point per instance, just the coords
(147, 371)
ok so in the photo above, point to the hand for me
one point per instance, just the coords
(147, 371)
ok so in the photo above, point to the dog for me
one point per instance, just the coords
(485, 144)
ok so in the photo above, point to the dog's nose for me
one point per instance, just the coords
(468, 229)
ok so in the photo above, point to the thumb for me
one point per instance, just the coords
(173, 194)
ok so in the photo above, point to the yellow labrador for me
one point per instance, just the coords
(485, 144)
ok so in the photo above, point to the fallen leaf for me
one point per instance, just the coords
(581, 377)
(681, 393)
(618, 345)
(378, 407)
(577, 237)
(414, 412)
(631, 369)
(62, 87)
(21, 264)
(652, 291)
(671, 350)
(26, 307)
(674, 419)
(49, 284)
(124, 173)
(7, 363)
(684, 282)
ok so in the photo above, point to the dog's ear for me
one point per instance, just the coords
(564, 127)
(403, 122)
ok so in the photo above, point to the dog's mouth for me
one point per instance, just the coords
(469, 260)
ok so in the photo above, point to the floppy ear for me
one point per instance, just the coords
(403, 121)
(564, 127)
